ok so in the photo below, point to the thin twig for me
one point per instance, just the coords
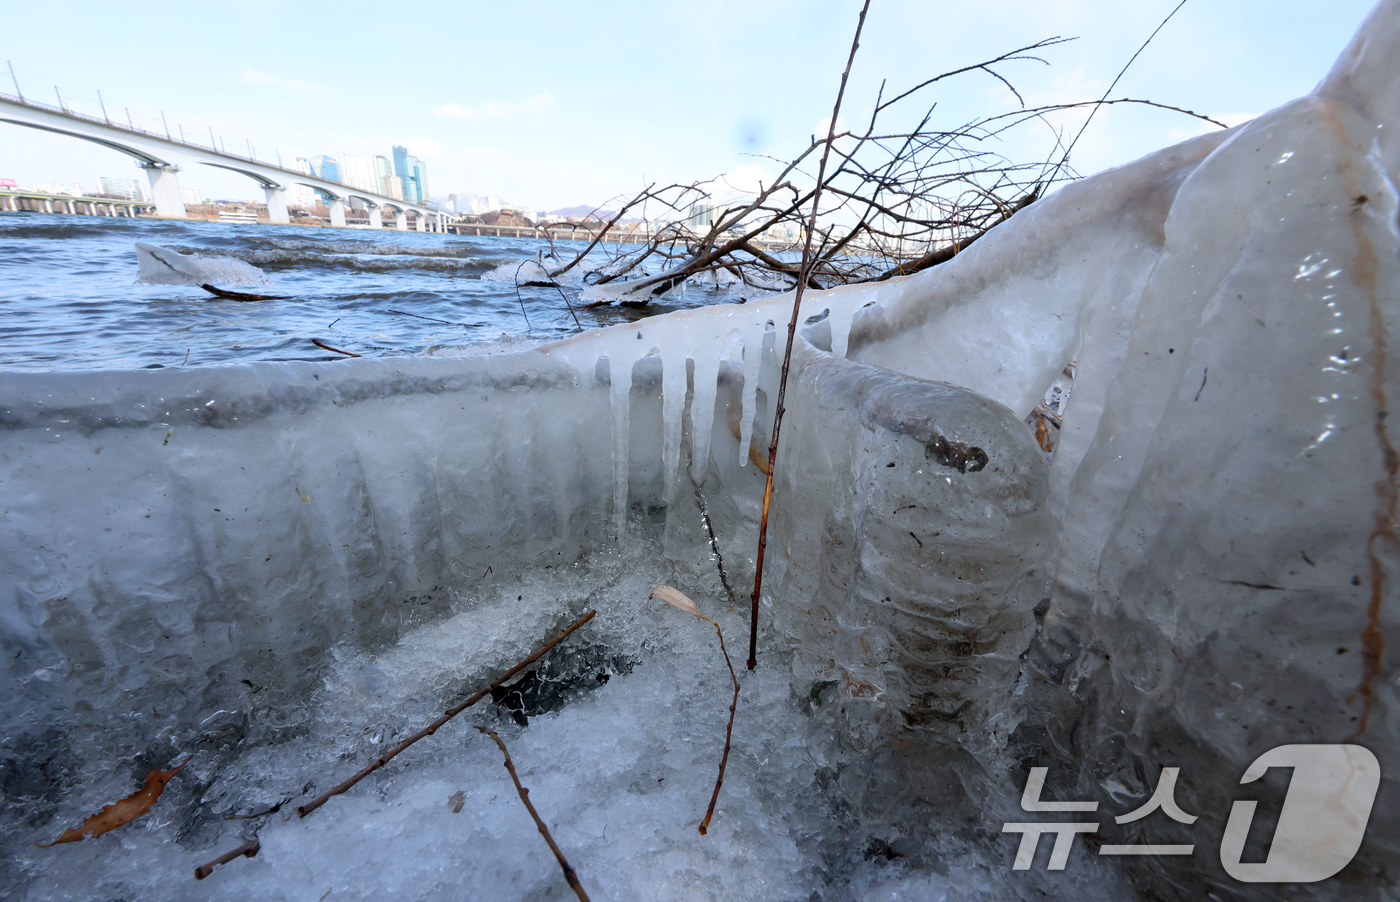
(787, 354)
(569, 874)
(252, 817)
(554, 274)
(944, 254)
(321, 344)
(728, 734)
(445, 322)
(528, 327)
(433, 727)
(568, 304)
(679, 600)
(1065, 158)
(248, 849)
(383, 759)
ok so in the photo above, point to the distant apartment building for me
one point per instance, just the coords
(365, 173)
(702, 216)
(191, 196)
(303, 196)
(127, 188)
(386, 183)
(348, 167)
(59, 188)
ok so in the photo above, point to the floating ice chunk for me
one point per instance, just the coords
(162, 266)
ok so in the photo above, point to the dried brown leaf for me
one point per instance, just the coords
(123, 812)
(678, 599)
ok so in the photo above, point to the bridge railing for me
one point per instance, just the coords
(131, 129)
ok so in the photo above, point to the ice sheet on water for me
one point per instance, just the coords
(162, 266)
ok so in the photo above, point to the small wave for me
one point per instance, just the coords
(277, 258)
(69, 227)
(366, 247)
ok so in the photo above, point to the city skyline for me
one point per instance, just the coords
(547, 127)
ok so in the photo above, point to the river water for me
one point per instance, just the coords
(70, 298)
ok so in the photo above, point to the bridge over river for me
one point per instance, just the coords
(158, 155)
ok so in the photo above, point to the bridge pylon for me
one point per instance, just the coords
(165, 189)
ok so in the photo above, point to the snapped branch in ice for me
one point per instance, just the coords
(1205, 568)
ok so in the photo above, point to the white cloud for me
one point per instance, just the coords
(493, 110)
(423, 146)
(263, 77)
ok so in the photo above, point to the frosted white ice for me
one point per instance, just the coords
(163, 266)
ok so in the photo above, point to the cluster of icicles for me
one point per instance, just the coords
(710, 334)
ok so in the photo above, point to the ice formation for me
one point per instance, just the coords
(163, 266)
(280, 567)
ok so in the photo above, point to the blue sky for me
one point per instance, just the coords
(552, 104)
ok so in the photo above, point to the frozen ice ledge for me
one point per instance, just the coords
(1206, 569)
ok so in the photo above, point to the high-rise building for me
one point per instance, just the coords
(359, 172)
(411, 174)
(191, 196)
(327, 167)
(401, 170)
(386, 183)
(420, 176)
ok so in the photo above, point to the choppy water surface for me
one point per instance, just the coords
(70, 300)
